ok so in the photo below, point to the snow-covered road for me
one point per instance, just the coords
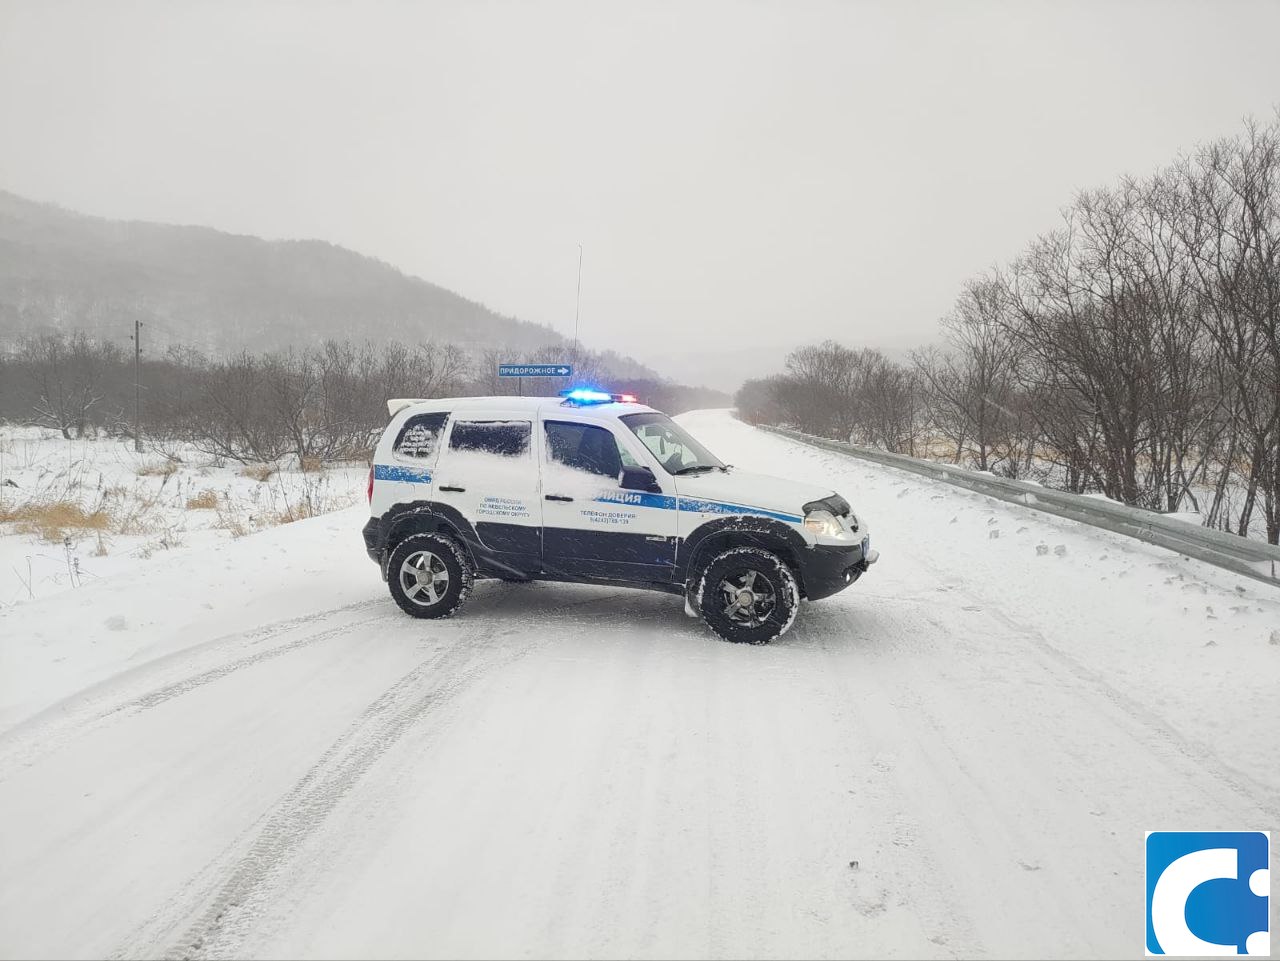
(251, 752)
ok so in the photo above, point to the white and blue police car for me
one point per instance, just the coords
(591, 487)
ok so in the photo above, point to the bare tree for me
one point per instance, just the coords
(1229, 219)
(1133, 351)
(973, 384)
(66, 372)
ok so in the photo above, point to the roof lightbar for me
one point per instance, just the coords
(585, 396)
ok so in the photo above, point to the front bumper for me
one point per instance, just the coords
(827, 569)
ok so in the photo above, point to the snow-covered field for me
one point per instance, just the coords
(242, 748)
(89, 509)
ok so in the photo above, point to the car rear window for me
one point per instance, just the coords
(420, 436)
(507, 438)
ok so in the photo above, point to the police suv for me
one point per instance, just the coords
(591, 487)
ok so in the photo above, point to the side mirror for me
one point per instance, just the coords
(638, 479)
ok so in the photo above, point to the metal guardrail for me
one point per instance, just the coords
(1241, 555)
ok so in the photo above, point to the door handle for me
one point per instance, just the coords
(456, 489)
(557, 497)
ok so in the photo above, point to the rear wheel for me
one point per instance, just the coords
(748, 595)
(429, 575)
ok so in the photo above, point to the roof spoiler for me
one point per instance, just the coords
(397, 404)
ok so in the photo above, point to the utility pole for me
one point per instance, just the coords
(137, 402)
(577, 307)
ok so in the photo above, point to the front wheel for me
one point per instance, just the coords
(748, 595)
(429, 575)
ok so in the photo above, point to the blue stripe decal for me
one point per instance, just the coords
(689, 504)
(405, 475)
(716, 507)
(665, 502)
(638, 499)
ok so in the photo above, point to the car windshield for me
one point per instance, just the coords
(677, 452)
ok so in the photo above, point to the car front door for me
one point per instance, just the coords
(486, 484)
(592, 527)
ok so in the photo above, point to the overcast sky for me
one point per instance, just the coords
(742, 176)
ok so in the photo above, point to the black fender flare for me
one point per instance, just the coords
(426, 517)
(708, 539)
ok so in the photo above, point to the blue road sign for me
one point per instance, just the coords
(534, 370)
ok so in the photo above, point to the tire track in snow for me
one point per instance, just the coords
(928, 755)
(233, 898)
(886, 809)
(1200, 756)
(47, 731)
(239, 893)
(176, 689)
(1162, 735)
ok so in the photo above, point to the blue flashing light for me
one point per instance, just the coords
(585, 395)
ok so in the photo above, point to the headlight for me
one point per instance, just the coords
(823, 524)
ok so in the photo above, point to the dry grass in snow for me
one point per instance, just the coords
(54, 520)
(164, 468)
(73, 510)
(259, 472)
(206, 500)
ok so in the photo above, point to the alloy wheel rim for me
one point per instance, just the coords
(749, 598)
(424, 578)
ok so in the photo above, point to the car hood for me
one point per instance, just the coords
(744, 489)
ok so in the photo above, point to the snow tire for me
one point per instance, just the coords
(429, 575)
(748, 595)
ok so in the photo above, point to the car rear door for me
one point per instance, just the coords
(486, 483)
(405, 474)
(591, 526)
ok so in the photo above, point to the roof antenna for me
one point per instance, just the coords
(576, 307)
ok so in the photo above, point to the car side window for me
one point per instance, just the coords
(665, 445)
(585, 447)
(419, 438)
(506, 438)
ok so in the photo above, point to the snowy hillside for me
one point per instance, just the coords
(242, 748)
(219, 292)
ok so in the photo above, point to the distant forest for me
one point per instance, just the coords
(1134, 351)
(320, 404)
